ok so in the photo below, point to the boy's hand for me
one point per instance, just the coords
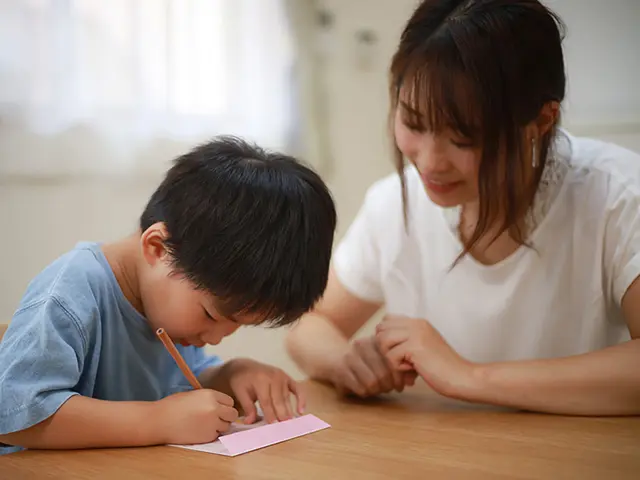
(365, 372)
(414, 344)
(251, 381)
(197, 416)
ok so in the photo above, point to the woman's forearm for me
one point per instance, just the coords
(604, 382)
(314, 344)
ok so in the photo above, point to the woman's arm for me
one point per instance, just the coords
(321, 338)
(604, 382)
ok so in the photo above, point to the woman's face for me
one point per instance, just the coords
(448, 164)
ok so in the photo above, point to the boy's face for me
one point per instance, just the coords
(170, 301)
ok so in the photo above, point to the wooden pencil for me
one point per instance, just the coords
(173, 351)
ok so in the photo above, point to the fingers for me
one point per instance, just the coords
(398, 357)
(376, 362)
(223, 398)
(364, 376)
(405, 367)
(272, 389)
(228, 414)
(348, 383)
(264, 397)
(286, 395)
(301, 399)
(247, 401)
(280, 400)
(409, 378)
(389, 339)
(397, 377)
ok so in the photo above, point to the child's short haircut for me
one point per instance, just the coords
(254, 228)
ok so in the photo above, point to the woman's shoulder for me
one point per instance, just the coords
(601, 190)
(600, 165)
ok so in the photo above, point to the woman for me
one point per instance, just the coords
(506, 252)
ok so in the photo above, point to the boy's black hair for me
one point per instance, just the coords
(254, 228)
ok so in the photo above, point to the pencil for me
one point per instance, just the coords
(171, 348)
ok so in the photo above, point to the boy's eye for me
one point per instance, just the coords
(207, 314)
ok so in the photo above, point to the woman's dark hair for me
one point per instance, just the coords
(483, 69)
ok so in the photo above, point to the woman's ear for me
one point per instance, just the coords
(153, 244)
(548, 117)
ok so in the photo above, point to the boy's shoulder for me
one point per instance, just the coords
(80, 280)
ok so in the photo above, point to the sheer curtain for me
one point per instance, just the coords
(120, 86)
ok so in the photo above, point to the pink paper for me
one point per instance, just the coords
(245, 438)
(248, 440)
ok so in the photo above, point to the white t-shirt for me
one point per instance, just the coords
(560, 298)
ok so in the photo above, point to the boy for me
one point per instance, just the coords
(233, 236)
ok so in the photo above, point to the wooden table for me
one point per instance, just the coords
(414, 435)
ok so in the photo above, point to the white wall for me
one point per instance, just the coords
(603, 61)
(39, 221)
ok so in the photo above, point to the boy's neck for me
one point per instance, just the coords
(123, 256)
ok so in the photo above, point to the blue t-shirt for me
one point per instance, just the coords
(75, 333)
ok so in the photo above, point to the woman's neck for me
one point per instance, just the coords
(494, 245)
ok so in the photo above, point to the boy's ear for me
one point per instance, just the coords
(153, 245)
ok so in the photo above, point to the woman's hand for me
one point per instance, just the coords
(413, 344)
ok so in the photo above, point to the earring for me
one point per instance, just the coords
(534, 153)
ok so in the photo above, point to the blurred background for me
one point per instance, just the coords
(97, 97)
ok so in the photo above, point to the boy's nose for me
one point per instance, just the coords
(212, 337)
(231, 329)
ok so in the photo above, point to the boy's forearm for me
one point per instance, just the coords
(605, 382)
(83, 422)
(217, 378)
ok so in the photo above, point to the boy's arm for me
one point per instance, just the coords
(83, 422)
(42, 357)
(216, 377)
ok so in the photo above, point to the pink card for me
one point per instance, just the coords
(247, 438)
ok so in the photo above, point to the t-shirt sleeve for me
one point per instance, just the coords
(358, 258)
(622, 243)
(41, 361)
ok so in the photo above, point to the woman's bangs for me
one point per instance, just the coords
(439, 98)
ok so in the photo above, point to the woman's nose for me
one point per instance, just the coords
(431, 156)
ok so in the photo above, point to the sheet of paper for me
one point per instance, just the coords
(246, 438)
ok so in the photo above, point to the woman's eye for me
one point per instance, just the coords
(462, 143)
(413, 126)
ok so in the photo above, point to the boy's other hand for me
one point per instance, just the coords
(364, 371)
(252, 381)
(197, 416)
